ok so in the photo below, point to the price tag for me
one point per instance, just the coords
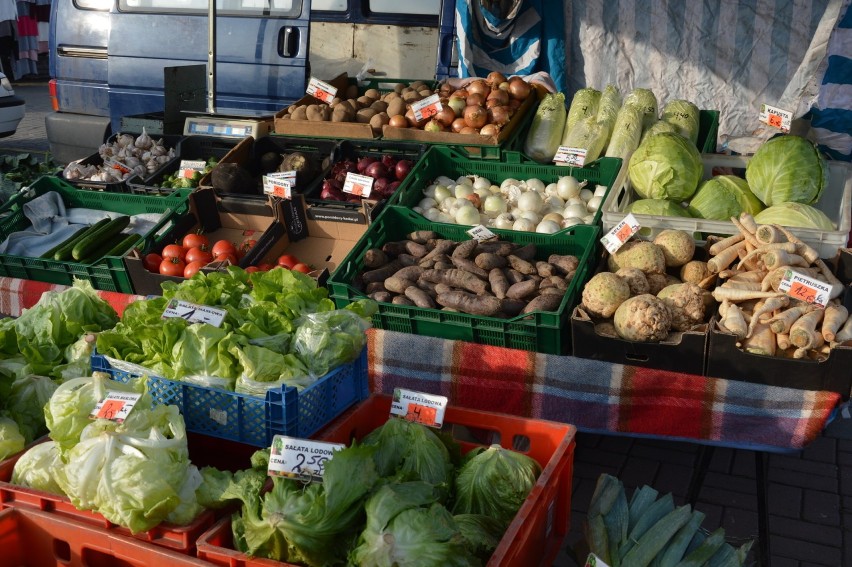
(300, 458)
(481, 233)
(620, 233)
(572, 157)
(189, 167)
(426, 409)
(116, 165)
(776, 117)
(194, 313)
(804, 288)
(594, 561)
(279, 184)
(360, 185)
(321, 90)
(427, 107)
(115, 406)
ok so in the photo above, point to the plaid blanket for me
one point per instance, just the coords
(19, 294)
(599, 396)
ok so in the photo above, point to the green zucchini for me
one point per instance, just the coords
(123, 244)
(64, 253)
(77, 234)
(89, 243)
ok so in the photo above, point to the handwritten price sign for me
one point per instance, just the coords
(804, 288)
(427, 108)
(425, 409)
(321, 90)
(300, 458)
(620, 233)
(572, 157)
(115, 406)
(360, 185)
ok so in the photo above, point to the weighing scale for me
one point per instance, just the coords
(225, 126)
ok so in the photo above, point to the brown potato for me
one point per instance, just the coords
(352, 91)
(364, 115)
(396, 107)
(373, 94)
(379, 106)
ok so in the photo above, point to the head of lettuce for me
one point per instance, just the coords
(665, 166)
(787, 169)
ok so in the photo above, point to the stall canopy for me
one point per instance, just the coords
(726, 55)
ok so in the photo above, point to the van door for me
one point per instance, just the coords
(261, 52)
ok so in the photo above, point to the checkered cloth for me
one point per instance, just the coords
(599, 396)
(19, 294)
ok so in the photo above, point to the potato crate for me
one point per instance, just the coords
(539, 331)
(835, 202)
(178, 539)
(447, 161)
(199, 148)
(535, 535)
(39, 539)
(107, 273)
(250, 419)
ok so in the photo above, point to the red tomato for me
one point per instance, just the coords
(152, 262)
(232, 258)
(287, 261)
(174, 251)
(172, 267)
(265, 267)
(198, 255)
(300, 267)
(224, 247)
(192, 268)
(195, 240)
(252, 269)
(247, 245)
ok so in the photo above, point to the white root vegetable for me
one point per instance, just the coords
(769, 306)
(761, 250)
(724, 258)
(768, 234)
(747, 221)
(803, 332)
(776, 258)
(845, 333)
(725, 243)
(739, 295)
(733, 321)
(762, 341)
(782, 340)
(747, 234)
(782, 322)
(737, 284)
(835, 316)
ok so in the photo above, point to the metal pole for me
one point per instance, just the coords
(211, 56)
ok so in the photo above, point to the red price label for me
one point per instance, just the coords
(110, 409)
(423, 415)
(803, 292)
(324, 96)
(624, 233)
(280, 191)
(774, 120)
(426, 108)
(357, 189)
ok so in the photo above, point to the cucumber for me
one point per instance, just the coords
(64, 253)
(123, 244)
(89, 243)
(77, 233)
(103, 249)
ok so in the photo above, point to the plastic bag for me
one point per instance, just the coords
(588, 134)
(546, 129)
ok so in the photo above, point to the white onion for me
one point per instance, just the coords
(575, 201)
(578, 211)
(467, 215)
(481, 183)
(586, 194)
(589, 219)
(463, 191)
(445, 218)
(504, 220)
(460, 203)
(516, 212)
(493, 205)
(571, 221)
(418, 210)
(600, 191)
(567, 187)
(447, 203)
(464, 180)
(532, 216)
(536, 185)
(427, 203)
(512, 193)
(441, 193)
(429, 191)
(509, 181)
(431, 214)
(485, 220)
(483, 193)
(444, 180)
(530, 201)
(548, 227)
(495, 189)
(550, 190)
(594, 203)
(554, 203)
(524, 225)
(555, 217)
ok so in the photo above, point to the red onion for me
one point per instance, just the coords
(376, 170)
(380, 186)
(365, 162)
(403, 168)
(389, 161)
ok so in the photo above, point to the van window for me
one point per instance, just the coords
(266, 8)
(94, 4)
(424, 7)
(329, 5)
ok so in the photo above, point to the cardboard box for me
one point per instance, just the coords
(679, 352)
(726, 360)
(219, 218)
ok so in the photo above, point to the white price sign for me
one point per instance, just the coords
(426, 409)
(776, 117)
(481, 233)
(194, 313)
(321, 90)
(279, 184)
(427, 107)
(804, 288)
(300, 458)
(594, 561)
(620, 233)
(189, 167)
(360, 185)
(115, 406)
(572, 157)
(117, 165)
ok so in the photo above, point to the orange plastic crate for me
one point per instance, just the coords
(40, 539)
(534, 536)
(181, 539)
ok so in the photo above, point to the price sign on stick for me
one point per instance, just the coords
(573, 157)
(194, 313)
(481, 233)
(279, 184)
(189, 167)
(804, 288)
(321, 90)
(620, 233)
(776, 117)
(427, 108)
(115, 406)
(426, 409)
(361, 185)
(300, 458)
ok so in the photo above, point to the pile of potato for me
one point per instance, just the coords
(492, 278)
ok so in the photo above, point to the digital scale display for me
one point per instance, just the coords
(225, 128)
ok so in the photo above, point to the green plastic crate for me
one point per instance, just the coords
(545, 332)
(108, 273)
(447, 161)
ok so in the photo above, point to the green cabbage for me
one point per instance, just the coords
(585, 104)
(626, 133)
(787, 169)
(481, 534)
(665, 166)
(683, 115)
(646, 101)
(659, 128)
(658, 207)
(494, 482)
(546, 129)
(35, 468)
(723, 197)
(794, 214)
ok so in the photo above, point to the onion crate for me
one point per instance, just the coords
(539, 331)
(107, 273)
(535, 535)
(835, 202)
(250, 419)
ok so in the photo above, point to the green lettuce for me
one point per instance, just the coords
(482, 534)
(11, 439)
(658, 207)
(584, 104)
(626, 133)
(36, 468)
(329, 339)
(25, 404)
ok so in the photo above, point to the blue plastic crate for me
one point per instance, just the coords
(251, 419)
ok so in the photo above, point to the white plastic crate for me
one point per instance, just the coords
(835, 202)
